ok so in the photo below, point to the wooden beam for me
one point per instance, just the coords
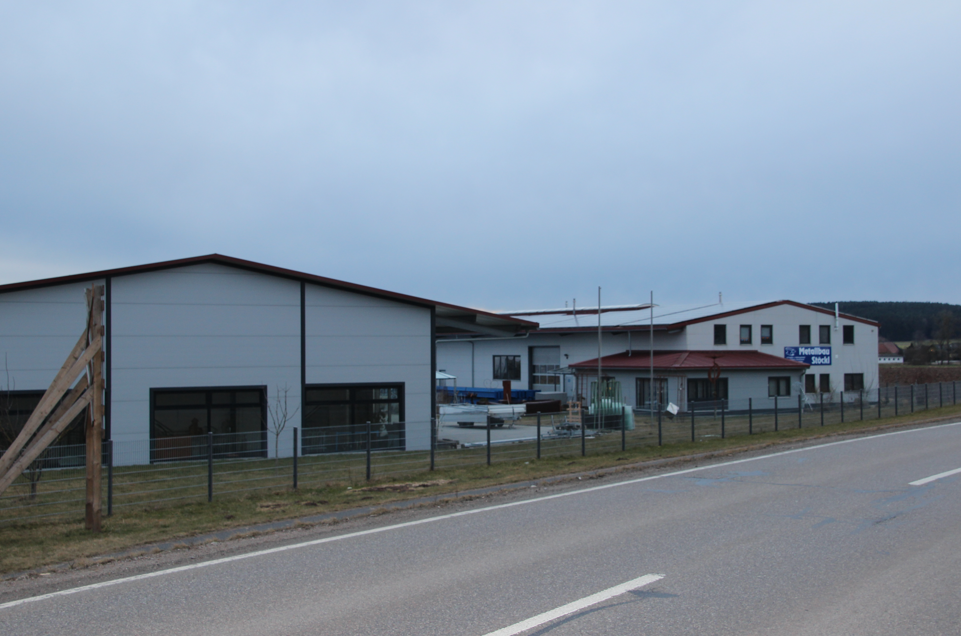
(95, 421)
(60, 385)
(36, 449)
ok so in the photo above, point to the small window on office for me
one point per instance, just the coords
(507, 367)
(804, 335)
(810, 384)
(778, 386)
(767, 334)
(824, 334)
(848, 334)
(853, 381)
(720, 334)
(825, 383)
(746, 334)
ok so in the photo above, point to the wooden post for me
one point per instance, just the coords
(94, 431)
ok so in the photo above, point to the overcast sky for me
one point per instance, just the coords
(499, 155)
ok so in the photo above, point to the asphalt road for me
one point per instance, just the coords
(829, 539)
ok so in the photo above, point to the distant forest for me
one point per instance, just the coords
(900, 321)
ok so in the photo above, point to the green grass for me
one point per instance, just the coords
(249, 492)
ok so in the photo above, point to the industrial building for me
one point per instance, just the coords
(203, 345)
(719, 352)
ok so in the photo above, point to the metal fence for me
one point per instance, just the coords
(200, 468)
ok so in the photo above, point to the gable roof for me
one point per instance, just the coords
(691, 361)
(638, 317)
(449, 318)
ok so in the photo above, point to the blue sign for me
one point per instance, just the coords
(815, 356)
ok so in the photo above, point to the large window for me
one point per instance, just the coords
(644, 392)
(824, 381)
(810, 383)
(746, 334)
(853, 381)
(779, 386)
(180, 418)
(848, 334)
(336, 416)
(804, 334)
(720, 334)
(507, 367)
(824, 334)
(767, 334)
(702, 390)
(16, 408)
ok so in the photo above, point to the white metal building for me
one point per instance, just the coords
(203, 344)
(782, 348)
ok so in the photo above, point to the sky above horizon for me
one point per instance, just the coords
(498, 155)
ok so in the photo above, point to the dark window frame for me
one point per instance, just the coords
(824, 334)
(804, 335)
(69, 450)
(353, 436)
(810, 383)
(511, 364)
(847, 334)
(700, 390)
(720, 334)
(824, 383)
(750, 334)
(186, 450)
(781, 386)
(769, 337)
(853, 382)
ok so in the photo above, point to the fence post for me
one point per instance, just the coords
(723, 410)
(775, 413)
(210, 466)
(954, 391)
(895, 400)
(538, 436)
(692, 420)
(940, 396)
(109, 477)
(660, 438)
(800, 410)
(584, 428)
(912, 398)
(879, 402)
(821, 399)
(433, 440)
(926, 392)
(623, 431)
(368, 451)
(295, 458)
(750, 416)
(842, 407)
(489, 439)
(861, 403)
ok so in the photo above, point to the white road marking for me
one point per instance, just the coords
(463, 513)
(928, 480)
(577, 606)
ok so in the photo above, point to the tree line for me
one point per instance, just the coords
(905, 321)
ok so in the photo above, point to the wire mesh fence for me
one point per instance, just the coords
(202, 467)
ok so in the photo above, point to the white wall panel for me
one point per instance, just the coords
(353, 339)
(38, 328)
(201, 326)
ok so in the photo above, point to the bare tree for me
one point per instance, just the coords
(280, 414)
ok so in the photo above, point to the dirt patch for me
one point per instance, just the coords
(407, 487)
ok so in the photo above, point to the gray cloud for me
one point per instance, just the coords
(492, 154)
